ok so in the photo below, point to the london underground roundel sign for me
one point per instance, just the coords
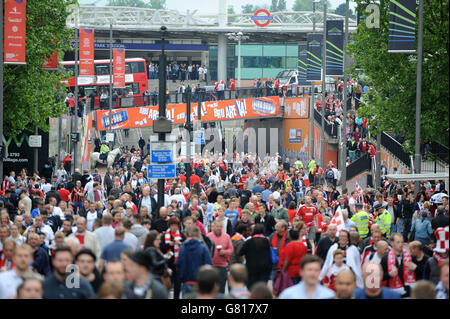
(262, 17)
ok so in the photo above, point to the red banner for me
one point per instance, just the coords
(52, 62)
(88, 141)
(119, 68)
(15, 30)
(86, 52)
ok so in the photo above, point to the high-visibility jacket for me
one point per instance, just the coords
(384, 220)
(104, 149)
(311, 166)
(361, 219)
(298, 164)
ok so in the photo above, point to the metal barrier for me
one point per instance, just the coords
(395, 148)
(440, 151)
(358, 166)
(331, 129)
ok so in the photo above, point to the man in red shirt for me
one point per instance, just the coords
(242, 180)
(63, 192)
(308, 214)
(194, 178)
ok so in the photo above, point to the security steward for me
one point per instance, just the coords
(361, 219)
(383, 219)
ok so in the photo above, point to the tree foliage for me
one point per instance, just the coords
(340, 9)
(278, 6)
(393, 75)
(152, 4)
(307, 5)
(28, 86)
(250, 8)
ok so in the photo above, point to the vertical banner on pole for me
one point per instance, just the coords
(52, 62)
(335, 48)
(314, 49)
(87, 142)
(15, 32)
(86, 52)
(402, 26)
(119, 68)
(302, 63)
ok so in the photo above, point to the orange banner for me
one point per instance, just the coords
(88, 141)
(52, 62)
(15, 32)
(139, 116)
(86, 52)
(240, 109)
(296, 108)
(119, 68)
(211, 111)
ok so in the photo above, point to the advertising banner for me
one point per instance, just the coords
(335, 48)
(402, 26)
(52, 62)
(211, 111)
(241, 109)
(314, 48)
(302, 64)
(88, 141)
(296, 108)
(119, 68)
(86, 52)
(15, 32)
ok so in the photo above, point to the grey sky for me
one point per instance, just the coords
(211, 6)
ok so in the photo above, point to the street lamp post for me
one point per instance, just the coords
(239, 36)
(344, 109)
(324, 87)
(311, 116)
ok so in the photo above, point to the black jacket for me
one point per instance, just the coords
(323, 246)
(257, 255)
(154, 205)
(108, 183)
(406, 210)
(269, 223)
(439, 221)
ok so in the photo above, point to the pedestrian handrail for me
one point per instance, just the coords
(440, 151)
(395, 148)
(358, 166)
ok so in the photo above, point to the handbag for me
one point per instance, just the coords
(274, 256)
(281, 281)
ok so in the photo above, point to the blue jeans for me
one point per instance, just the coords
(351, 154)
(400, 226)
(185, 289)
(393, 228)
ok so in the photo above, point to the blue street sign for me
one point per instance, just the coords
(161, 171)
(199, 137)
(162, 156)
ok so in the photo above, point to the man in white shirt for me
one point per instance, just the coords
(45, 186)
(56, 211)
(12, 279)
(43, 228)
(382, 248)
(105, 234)
(166, 199)
(91, 216)
(181, 201)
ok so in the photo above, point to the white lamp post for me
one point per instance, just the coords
(239, 36)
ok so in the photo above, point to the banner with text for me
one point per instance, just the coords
(314, 49)
(211, 111)
(88, 141)
(15, 32)
(52, 62)
(86, 52)
(335, 47)
(296, 108)
(119, 68)
(302, 64)
(402, 26)
(240, 109)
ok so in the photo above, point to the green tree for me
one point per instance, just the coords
(230, 10)
(249, 8)
(393, 76)
(278, 6)
(341, 11)
(307, 5)
(28, 86)
(151, 4)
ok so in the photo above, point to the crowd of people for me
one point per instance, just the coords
(180, 71)
(246, 227)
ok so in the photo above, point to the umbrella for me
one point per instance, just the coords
(437, 198)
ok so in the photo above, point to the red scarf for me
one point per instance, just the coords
(275, 241)
(258, 236)
(408, 275)
(176, 237)
(9, 264)
(439, 258)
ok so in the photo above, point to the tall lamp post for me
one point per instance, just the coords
(239, 36)
(324, 87)
(311, 122)
(344, 109)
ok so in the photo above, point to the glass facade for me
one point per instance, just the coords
(257, 60)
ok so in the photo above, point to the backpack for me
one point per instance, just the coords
(330, 174)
